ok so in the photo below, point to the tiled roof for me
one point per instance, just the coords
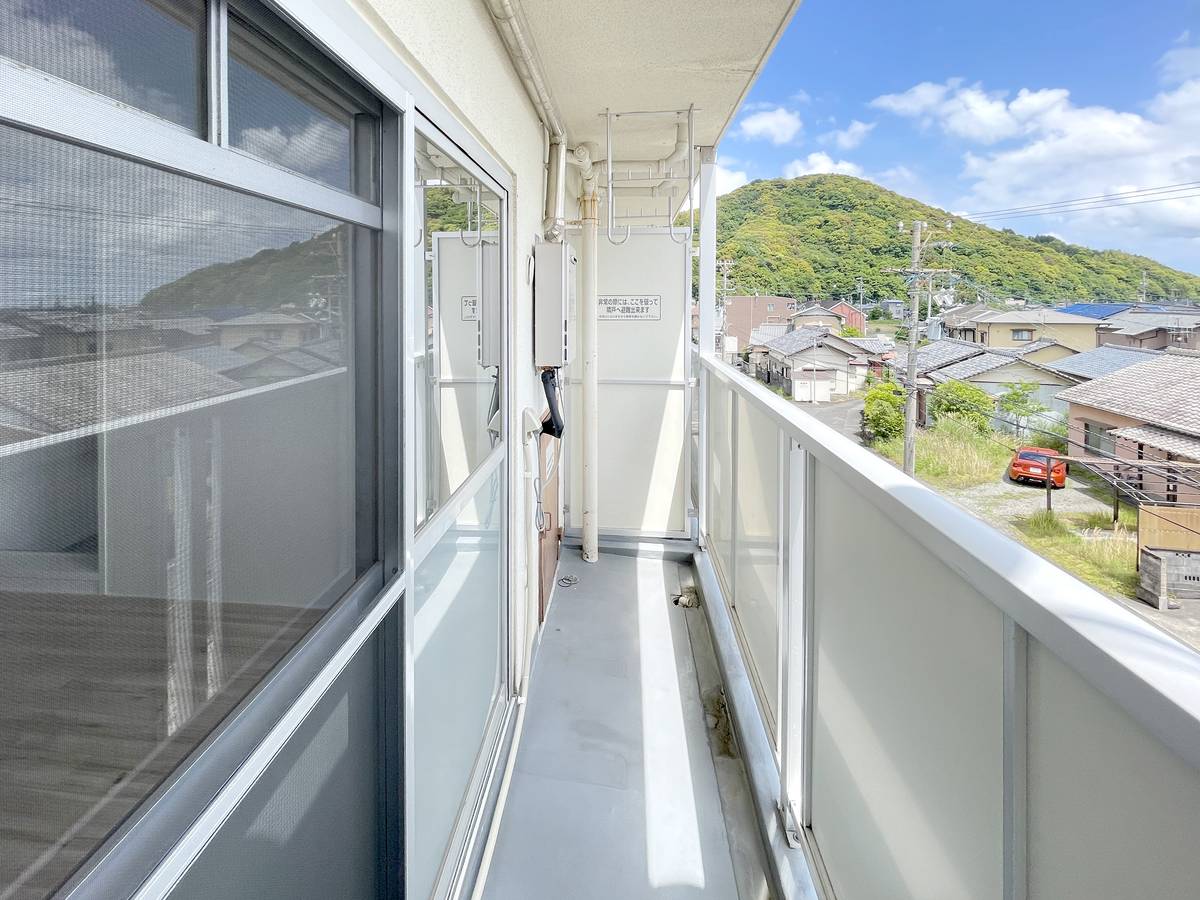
(214, 358)
(938, 354)
(266, 319)
(796, 341)
(870, 344)
(816, 309)
(1031, 347)
(66, 396)
(1163, 390)
(974, 365)
(763, 334)
(9, 332)
(1101, 361)
(1133, 322)
(1162, 439)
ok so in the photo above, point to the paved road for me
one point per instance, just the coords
(843, 416)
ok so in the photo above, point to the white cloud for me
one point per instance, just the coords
(802, 96)
(970, 112)
(1179, 64)
(1070, 151)
(849, 137)
(728, 179)
(777, 125)
(312, 149)
(820, 164)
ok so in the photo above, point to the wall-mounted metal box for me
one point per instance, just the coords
(553, 304)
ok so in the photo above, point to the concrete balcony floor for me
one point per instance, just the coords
(627, 783)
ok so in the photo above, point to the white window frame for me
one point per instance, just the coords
(131, 859)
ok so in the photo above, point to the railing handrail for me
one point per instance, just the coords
(1144, 670)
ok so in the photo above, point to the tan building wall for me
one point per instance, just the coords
(1078, 336)
(1086, 424)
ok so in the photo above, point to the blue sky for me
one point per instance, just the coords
(975, 109)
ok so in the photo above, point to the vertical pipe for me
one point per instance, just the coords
(708, 313)
(708, 250)
(589, 213)
(910, 404)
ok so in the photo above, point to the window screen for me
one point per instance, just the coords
(146, 54)
(282, 111)
(181, 401)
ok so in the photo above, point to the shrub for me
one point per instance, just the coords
(963, 402)
(883, 411)
(851, 331)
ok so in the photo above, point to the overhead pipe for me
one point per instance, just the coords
(554, 222)
(529, 68)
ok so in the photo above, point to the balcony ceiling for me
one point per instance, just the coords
(650, 55)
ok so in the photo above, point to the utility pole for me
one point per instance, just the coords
(861, 291)
(1145, 285)
(910, 402)
(915, 276)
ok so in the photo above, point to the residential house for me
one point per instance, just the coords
(816, 314)
(813, 364)
(853, 316)
(995, 371)
(958, 321)
(1148, 412)
(1013, 328)
(893, 308)
(279, 328)
(745, 313)
(1104, 360)
(1153, 329)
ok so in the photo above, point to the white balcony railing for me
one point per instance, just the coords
(951, 715)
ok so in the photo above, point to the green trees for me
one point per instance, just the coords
(883, 411)
(814, 236)
(963, 402)
(851, 331)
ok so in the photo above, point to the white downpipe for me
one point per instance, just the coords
(589, 213)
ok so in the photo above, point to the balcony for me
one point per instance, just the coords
(923, 708)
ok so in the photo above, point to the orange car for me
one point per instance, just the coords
(1029, 464)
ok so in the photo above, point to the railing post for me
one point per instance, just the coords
(796, 640)
(1015, 736)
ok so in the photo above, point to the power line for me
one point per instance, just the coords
(1166, 188)
(1092, 208)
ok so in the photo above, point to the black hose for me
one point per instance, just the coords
(553, 424)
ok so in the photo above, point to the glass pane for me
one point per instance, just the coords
(458, 366)
(720, 476)
(284, 112)
(146, 54)
(756, 592)
(177, 473)
(457, 633)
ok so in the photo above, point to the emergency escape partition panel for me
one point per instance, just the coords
(642, 339)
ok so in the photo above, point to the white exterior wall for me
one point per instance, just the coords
(455, 49)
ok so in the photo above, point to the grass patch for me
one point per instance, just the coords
(1104, 557)
(951, 455)
(1102, 520)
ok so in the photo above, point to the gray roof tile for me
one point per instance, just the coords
(1163, 390)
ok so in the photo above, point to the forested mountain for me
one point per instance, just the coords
(267, 280)
(815, 236)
